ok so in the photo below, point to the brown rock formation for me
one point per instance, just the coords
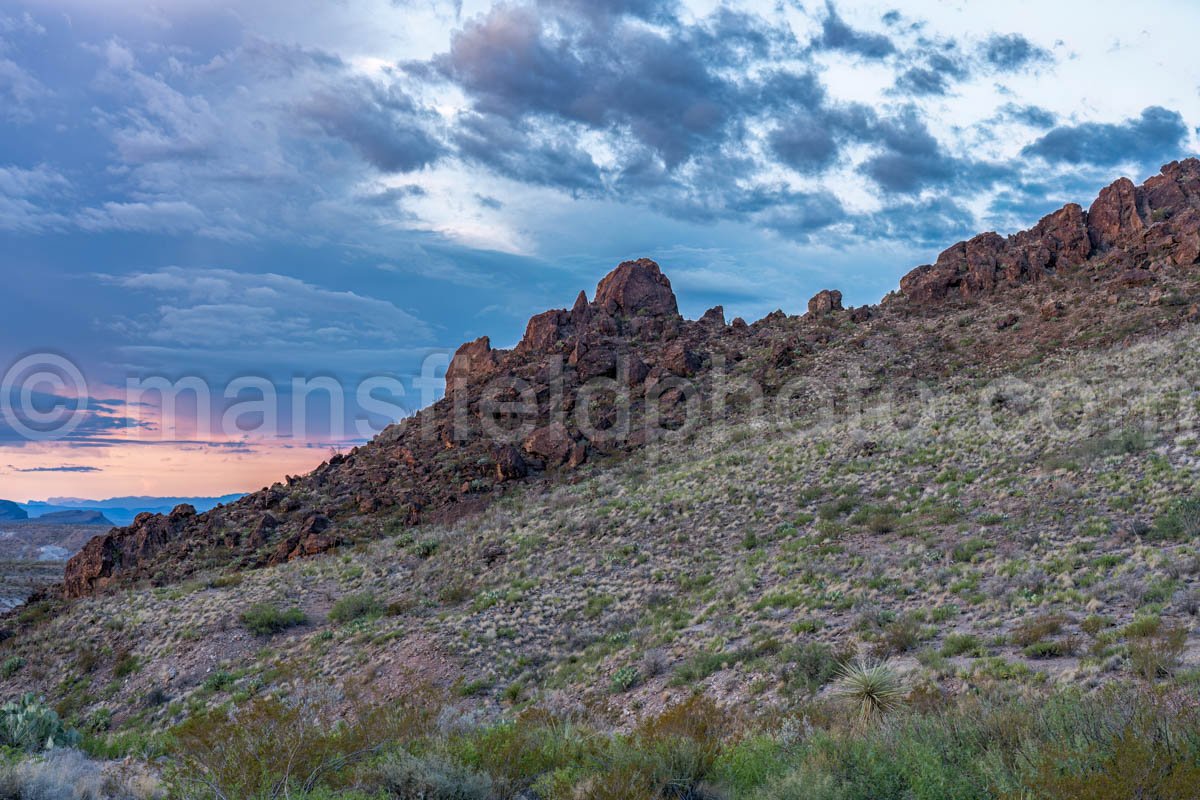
(825, 301)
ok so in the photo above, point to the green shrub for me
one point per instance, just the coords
(125, 664)
(1036, 629)
(1158, 654)
(1053, 649)
(959, 644)
(11, 666)
(355, 606)
(431, 777)
(27, 723)
(899, 637)
(625, 679)
(965, 551)
(1181, 521)
(265, 619)
(814, 665)
(219, 681)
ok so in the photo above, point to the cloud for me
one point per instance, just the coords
(661, 88)
(56, 469)
(1157, 135)
(837, 35)
(382, 124)
(811, 139)
(527, 152)
(220, 309)
(912, 158)
(166, 216)
(1031, 115)
(26, 196)
(1013, 52)
(935, 221)
(934, 77)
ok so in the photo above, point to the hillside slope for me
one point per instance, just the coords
(988, 479)
(617, 372)
(1020, 530)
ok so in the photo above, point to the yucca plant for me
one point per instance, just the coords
(875, 687)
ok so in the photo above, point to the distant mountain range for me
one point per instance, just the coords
(119, 510)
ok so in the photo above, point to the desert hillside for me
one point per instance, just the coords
(984, 489)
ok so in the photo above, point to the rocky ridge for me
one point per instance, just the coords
(515, 416)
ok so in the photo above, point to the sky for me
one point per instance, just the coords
(292, 212)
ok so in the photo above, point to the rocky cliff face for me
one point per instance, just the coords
(1138, 229)
(614, 373)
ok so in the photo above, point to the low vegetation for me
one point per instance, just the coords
(873, 741)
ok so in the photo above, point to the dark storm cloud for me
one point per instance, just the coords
(604, 9)
(663, 87)
(1013, 52)
(936, 221)
(382, 124)
(811, 139)
(837, 35)
(795, 215)
(911, 159)
(1157, 135)
(523, 153)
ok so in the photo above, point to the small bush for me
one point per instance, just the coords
(1180, 521)
(11, 666)
(1037, 629)
(1159, 654)
(964, 552)
(960, 644)
(431, 777)
(265, 619)
(125, 664)
(815, 665)
(625, 679)
(219, 681)
(355, 606)
(1054, 649)
(899, 637)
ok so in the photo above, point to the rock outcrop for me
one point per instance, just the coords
(102, 559)
(825, 301)
(1126, 227)
(637, 288)
(472, 361)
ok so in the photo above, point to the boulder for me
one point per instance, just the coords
(636, 287)
(825, 301)
(510, 466)
(105, 557)
(979, 266)
(551, 443)
(677, 358)
(592, 358)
